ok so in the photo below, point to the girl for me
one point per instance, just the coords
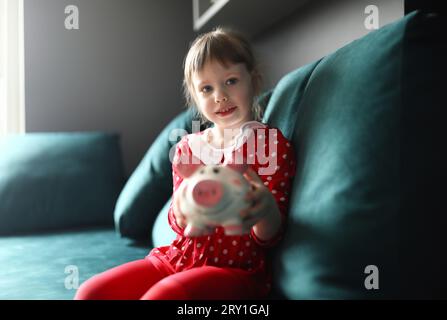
(222, 80)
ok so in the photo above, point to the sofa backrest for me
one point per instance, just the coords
(51, 181)
(361, 222)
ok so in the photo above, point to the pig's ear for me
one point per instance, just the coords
(185, 162)
(185, 170)
(241, 168)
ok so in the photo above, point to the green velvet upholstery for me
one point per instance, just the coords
(162, 233)
(282, 109)
(41, 266)
(360, 176)
(58, 180)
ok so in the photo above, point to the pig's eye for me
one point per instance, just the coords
(202, 171)
(216, 170)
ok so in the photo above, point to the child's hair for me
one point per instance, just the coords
(224, 46)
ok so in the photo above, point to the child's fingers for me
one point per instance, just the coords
(250, 222)
(245, 212)
(255, 210)
(179, 216)
(253, 217)
(250, 175)
(248, 196)
(248, 210)
(177, 207)
(254, 176)
(251, 199)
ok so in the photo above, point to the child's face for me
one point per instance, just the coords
(218, 88)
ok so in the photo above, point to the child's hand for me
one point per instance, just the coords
(262, 204)
(179, 216)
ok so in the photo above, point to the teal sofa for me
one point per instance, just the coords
(366, 219)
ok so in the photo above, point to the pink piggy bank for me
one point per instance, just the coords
(213, 195)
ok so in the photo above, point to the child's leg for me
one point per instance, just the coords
(206, 283)
(125, 282)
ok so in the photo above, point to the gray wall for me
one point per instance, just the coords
(315, 30)
(120, 72)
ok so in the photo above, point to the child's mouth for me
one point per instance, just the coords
(226, 111)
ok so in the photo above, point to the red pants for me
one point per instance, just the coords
(150, 279)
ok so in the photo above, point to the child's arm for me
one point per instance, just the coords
(179, 217)
(271, 197)
(184, 161)
(175, 217)
(266, 216)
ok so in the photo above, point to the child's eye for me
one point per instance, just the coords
(231, 81)
(206, 89)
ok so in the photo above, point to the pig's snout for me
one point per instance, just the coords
(207, 193)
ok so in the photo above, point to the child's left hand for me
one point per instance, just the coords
(262, 204)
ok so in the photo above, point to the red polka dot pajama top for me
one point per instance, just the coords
(246, 252)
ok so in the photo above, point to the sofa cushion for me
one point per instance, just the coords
(282, 108)
(150, 185)
(362, 206)
(50, 266)
(58, 180)
(162, 233)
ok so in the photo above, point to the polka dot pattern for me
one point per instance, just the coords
(245, 251)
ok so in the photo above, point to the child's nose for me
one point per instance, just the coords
(220, 96)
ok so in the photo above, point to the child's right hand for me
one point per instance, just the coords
(179, 216)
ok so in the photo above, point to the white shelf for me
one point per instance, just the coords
(201, 18)
(247, 16)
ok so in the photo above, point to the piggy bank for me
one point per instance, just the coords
(213, 195)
